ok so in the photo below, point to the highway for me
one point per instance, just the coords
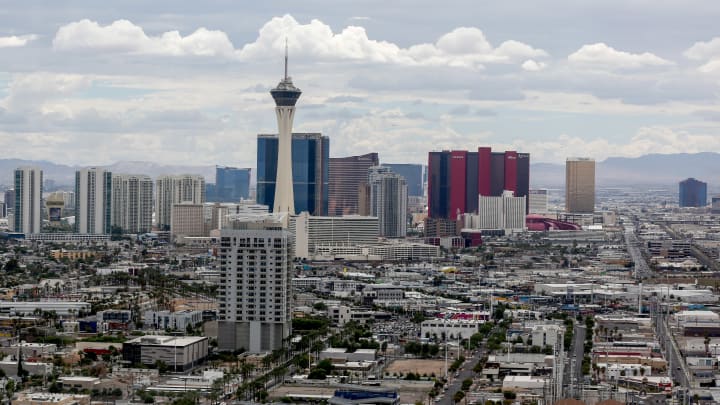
(642, 270)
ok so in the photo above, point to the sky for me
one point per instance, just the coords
(91, 82)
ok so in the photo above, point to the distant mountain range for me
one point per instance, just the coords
(64, 175)
(650, 170)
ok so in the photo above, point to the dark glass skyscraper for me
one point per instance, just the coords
(231, 185)
(310, 169)
(457, 178)
(693, 193)
(413, 175)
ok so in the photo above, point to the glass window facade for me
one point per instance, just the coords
(481, 173)
(310, 165)
(413, 175)
(232, 184)
(693, 193)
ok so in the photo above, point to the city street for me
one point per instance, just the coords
(642, 270)
(573, 377)
(465, 372)
(676, 364)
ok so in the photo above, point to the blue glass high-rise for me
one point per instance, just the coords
(413, 174)
(232, 184)
(693, 193)
(310, 167)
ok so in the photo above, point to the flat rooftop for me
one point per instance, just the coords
(164, 340)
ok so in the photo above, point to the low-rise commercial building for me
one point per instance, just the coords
(61, 308)
(43, 398)
(179, 320)
(179, 353)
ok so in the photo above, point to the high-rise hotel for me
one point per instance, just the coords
(580, 185)
(171, 190)
(132, 202)
(27, 201)
(256, 255)
(457, 178)
(93, 201)
(256, 262)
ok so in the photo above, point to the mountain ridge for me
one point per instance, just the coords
(652, 169)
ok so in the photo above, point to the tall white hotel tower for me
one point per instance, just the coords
(27, 217)
(285, 95)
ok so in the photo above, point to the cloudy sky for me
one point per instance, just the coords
(95, 82)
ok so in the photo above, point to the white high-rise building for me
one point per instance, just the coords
(312, 231)
(93, 199)
(498, 213)
(132, 202)
(388, 201)
(27, 212)
(285, 96)
(171, 190)
(538, 201)
(255, 268)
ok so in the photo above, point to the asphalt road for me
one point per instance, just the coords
(465, 372)
(676, 362)
(573, 377)
(642, 269)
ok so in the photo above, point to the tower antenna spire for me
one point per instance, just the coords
(286, 58)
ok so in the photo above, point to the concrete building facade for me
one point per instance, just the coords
(255, 270)
(388, 201)
(311, 231)
(27, 200)
(178, 189)
(188, 220)
(132, 202)
(93, 201)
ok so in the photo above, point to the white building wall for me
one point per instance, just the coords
(171, 190)
(92, 201)
(311, 231)
(388, 201)
(255, 268)
(451, 328)
(132, 202)
(505, 212)
(538, 201)
(28, 195)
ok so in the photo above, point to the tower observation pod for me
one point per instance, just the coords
(285, 96)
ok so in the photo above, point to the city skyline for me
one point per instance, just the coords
(501, 75)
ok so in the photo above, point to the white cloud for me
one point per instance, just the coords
(124, 36)
(704, 50)
(647, 140)
(533, 66)
(601, 55)
(16, 41)
(463, 47)
(30, 91)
